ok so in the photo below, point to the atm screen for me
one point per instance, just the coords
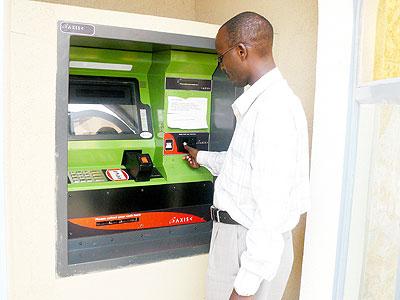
(102, 106)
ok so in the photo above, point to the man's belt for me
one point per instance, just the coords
(222, 216)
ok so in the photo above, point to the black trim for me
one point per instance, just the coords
(221, 216)
(138, 199)
(188, 84)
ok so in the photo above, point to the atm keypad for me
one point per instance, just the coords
(84, 176)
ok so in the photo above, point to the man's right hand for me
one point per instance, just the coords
(191, 157)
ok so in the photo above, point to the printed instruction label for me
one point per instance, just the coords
(187, 113)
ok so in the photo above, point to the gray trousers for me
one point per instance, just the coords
(227, 244)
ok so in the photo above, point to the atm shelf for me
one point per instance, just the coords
(113, 184)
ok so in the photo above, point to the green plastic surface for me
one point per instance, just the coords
(150, 69)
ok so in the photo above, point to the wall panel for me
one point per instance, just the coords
(179, 9)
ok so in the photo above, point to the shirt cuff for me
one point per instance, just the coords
(201, 158)
(247, 283)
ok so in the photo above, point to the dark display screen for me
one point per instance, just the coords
(102, 106)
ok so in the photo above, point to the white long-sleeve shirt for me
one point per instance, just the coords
(263, 177)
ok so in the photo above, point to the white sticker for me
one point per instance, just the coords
(117, 175)
(143, 119)
(99, 66)
(187, 113)
(146, 135)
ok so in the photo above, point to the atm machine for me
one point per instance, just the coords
(131, 197)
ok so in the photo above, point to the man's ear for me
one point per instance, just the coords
(242, 51)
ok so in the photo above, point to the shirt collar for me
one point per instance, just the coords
(243, 103)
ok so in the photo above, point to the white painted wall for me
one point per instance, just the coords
(3, 277)
(180, 9)
(335, 40)
(30, 168)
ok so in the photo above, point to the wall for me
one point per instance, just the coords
(3, 278)
(295, 38)
(179, 9)
(382, 246)
(30, 167)
(331, 109)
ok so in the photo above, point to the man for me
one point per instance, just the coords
(262, 184)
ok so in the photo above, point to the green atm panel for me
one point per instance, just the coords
(129, 113)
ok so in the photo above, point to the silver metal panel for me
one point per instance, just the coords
(119, 38)
(61, 147)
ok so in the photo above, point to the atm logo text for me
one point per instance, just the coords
(77, 28)
(181, 220)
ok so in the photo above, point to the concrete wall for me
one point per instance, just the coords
(382, 245)
(295, 24)
(179, 9)
(3, 277)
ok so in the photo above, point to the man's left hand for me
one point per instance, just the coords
(236, 296)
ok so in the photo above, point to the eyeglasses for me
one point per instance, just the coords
(221, 57)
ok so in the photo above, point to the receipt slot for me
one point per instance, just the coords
(132, 104)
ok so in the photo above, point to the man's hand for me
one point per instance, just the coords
(236, 296)
(191, 157)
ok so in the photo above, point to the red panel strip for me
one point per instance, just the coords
(134, 221)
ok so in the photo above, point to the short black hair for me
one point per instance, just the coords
(252, 28)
